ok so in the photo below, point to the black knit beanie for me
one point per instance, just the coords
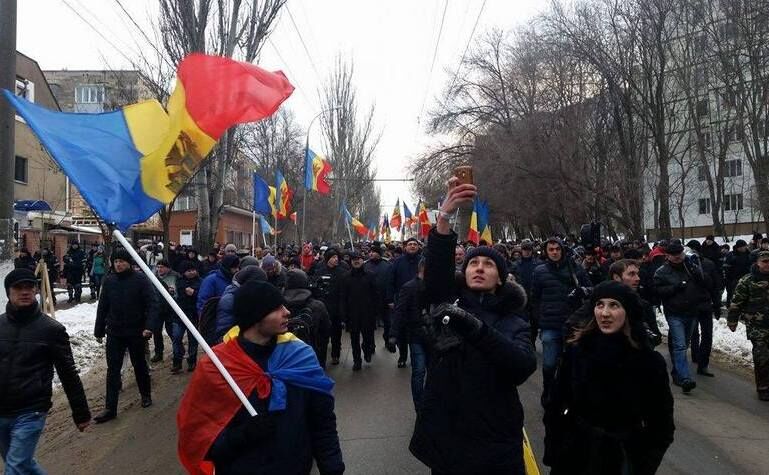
(492, 254)
(254, 300)
(629, 299)
(122, 254)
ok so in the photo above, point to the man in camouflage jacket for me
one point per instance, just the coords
(750, 304)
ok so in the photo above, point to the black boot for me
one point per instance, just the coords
(158, 357)
(176, 368)
(146, 401)
(106, 415)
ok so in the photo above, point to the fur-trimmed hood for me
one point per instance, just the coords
(509, 298)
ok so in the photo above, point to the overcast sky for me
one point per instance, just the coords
(391, 43)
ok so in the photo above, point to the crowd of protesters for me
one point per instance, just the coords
(464, 316)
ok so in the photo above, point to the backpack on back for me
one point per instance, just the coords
(207, 320)
(303, 325)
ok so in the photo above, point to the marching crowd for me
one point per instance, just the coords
(464, 316)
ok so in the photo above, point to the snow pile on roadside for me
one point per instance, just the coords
(5, 268)
(735, 347)
(79, 322)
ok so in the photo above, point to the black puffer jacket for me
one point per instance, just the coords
(551, 284)
(610, 407)
(31, 346)
(408, 318)
(471, 418)
(358, 294)
(685, 300)
(127, 305)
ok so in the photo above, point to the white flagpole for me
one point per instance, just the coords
(194, 331)
(253, 233)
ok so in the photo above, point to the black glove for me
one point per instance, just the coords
(580, 293)
(462, 322)
(390, 345)
(682, 285)
(259, 427)
(654, 338)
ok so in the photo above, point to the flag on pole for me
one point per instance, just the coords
(265, 226)
(472, 232)
(372, 229)
(424, 220)
(130, 162)
(408, 220)
(316, 169)
(263, 196)
(283, 195)
(395, 221)
(386, 228)
(354, 223)
(483, 222)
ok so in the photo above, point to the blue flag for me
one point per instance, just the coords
(261, 196)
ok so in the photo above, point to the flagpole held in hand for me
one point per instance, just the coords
(193, 331)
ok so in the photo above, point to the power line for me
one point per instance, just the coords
(467, 46)
(119, 50)
(301, 39)
(147, 38)
(295, 80)
(432, 64)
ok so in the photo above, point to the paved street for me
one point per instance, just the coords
(721, 428)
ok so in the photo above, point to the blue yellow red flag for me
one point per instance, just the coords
(316, 169)
(130, 162)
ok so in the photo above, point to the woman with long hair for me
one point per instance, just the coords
(611, 409)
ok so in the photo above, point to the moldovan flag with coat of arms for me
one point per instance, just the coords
(316, 168)
(130, 162)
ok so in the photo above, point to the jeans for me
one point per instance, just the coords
(552, 346)
(18, 440)
(679, 336)
(177, 336)
(702, 340)
(116, 348)
(419, 360)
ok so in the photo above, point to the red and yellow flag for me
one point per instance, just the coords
(472, 233)
(424, 220)
(395, 220)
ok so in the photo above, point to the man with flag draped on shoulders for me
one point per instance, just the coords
(295, 421)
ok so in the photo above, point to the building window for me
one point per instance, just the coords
(185, 237)
(704, 205)
(733, 202)
(184, 203)
(20, 170)
(89, 94)
(25, 88)
(702, 173)
(733, 168)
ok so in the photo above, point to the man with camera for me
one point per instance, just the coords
(557, 290)
(685, 292)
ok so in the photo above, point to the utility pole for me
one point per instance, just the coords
(7, 123)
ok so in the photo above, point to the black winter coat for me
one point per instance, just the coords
(381, 270)
(403, 269)
(586, 313)
(736, 264)
(690, 300)
(551, 285)
(408, 318)
(331, 297)
(31, 346)
(188, 303)
(471, 418)
(27, 262)
(305, 430)
(523, 270)
(127, 305)
(610, 408)
(357, 293)
(297, 299)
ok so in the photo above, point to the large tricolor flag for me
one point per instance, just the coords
(395, 220)
(283, 195)
(483, 222)
(316, 169)
(265, 226)
(264, 196)
(359, 228)
(130, 162)
(201, 417)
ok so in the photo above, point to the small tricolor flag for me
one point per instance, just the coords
(263, 197)
(316, 169)
(395, 221)
(424, 220)
(359, 228)
(129, 163)
(472, 232)
(283, 195)
(265, 226)
(408, 219)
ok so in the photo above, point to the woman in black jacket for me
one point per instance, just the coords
(470, 420)
(611, 409)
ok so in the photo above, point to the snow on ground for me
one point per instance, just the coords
(735, 347)
(79, 322)
(5, 268)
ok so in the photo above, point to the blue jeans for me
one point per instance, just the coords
(179, 329)
(552, 347)
(18, 440)
(679, 336)
(418, 372)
